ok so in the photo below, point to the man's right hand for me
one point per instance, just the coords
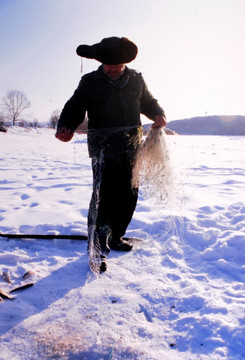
(64, 134)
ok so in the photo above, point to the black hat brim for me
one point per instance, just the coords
(110, 51)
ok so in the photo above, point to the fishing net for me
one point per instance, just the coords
(147, 164)
(113, 200)
(152, 168)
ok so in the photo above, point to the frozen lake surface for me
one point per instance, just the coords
(180, 294)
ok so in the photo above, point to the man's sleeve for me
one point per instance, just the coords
(149, 105)
(75, 108)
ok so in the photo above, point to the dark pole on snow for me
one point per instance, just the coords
(44, 237)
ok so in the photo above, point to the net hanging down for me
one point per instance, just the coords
(152, 167)
(151, 170)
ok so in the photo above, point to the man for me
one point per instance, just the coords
(114, 96)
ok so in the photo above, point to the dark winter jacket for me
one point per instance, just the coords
(112, 106)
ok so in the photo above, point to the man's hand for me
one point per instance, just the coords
(64, 134)
(159, 121)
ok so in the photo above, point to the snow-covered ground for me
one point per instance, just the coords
(180, 294)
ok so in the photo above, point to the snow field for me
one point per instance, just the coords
(178, 295)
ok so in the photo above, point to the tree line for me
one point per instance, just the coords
(13, 111)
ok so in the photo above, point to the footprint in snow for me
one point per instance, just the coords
(24, 197)
(34, 204)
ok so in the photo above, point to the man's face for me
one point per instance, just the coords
(114, 71)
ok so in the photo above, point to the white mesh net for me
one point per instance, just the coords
(152, 169)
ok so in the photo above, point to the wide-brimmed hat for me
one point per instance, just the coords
(110, 51)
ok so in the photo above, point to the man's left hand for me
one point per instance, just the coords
(159, 121)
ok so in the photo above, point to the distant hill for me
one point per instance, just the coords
(168, 131)
(210, 125)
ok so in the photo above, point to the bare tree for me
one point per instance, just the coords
(2, 120)
(35, 123)
(54, 119)
(14, 104)
(2, 123)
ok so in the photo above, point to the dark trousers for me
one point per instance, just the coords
(113, 200)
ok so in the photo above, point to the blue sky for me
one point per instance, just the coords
(191, 53)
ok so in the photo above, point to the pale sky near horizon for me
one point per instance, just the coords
(191, 52)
